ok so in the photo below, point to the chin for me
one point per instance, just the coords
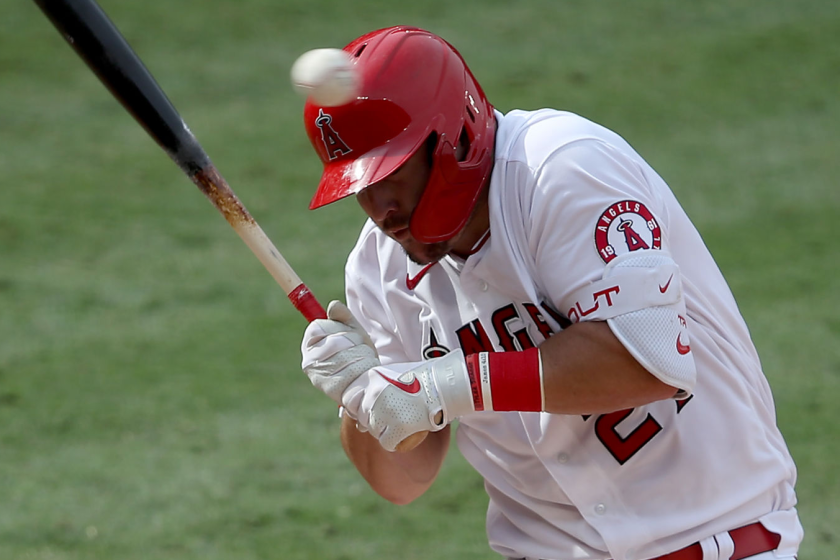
(425, 253)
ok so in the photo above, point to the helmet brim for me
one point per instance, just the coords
(345, 177)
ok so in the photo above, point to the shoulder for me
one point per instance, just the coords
(561, 154)
(535, 137)
(557, 175)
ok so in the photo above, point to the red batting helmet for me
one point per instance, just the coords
(413, 84)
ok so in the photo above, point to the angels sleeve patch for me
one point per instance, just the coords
(626, 226)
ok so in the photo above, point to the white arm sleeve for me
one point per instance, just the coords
(640, 298)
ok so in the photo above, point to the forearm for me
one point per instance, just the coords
(586, 370)
(398, 477)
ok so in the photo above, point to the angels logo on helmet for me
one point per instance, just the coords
(333, 143)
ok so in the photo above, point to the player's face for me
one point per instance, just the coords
(390, 202)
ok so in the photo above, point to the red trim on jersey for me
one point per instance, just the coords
(411, 283)
(480, 243)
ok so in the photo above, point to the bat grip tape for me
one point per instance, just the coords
(305, 302)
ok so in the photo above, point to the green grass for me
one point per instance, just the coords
(151, 402)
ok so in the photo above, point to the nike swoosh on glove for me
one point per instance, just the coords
(336, 351)
(395, 401)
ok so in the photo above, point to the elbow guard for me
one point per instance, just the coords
(640, 297)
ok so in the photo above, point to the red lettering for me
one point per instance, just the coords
(588, 311)
(511, 341)
(537, 318)
(562, 321)
(474, 339)
(606, 293)
(577, 312)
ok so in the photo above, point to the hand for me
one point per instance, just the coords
(336, 351)
(393, 402)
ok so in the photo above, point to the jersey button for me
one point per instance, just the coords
(483, 286)
(600, 509)
(563, 458)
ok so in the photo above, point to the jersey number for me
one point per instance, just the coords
(624, 447)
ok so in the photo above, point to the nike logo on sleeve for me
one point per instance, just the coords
(682, 348)
(663, 289)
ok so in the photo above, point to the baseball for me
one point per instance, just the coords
(325, 75)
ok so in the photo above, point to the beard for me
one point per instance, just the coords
(419, 252)
(425, 253)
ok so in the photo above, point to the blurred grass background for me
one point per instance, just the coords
(151, 402)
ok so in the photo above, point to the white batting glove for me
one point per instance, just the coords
(336, 351)
(392, 402)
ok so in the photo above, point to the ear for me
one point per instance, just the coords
(463, 145)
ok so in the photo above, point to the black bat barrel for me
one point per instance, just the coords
(100, 44)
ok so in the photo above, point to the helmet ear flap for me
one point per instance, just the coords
(446, 160)
(440, 149)
(450, 194)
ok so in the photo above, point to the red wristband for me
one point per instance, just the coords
(506, 381)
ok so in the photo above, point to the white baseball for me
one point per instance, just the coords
(327, 76)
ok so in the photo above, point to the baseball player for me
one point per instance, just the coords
(532, 277)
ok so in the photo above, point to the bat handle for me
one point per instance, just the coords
(416, 438)
(411, 441)
(305, 302)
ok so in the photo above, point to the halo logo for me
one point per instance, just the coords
(333, 143)
(434, 349)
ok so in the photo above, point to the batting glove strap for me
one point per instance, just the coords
(506, 381)
(452, 383)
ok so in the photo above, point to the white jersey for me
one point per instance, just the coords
(566, 197)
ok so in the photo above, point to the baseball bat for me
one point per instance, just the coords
(86, 27)
(100, 44)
